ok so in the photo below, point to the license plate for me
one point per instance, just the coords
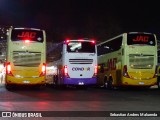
(26, 81)
(141, 83)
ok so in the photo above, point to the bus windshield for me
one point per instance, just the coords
(31, 35)
(146, 39)
(84, 47)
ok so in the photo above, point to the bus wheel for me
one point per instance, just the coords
(8, 87)
(109, 83)
(39, 87)
(105, 82)
(55, 81)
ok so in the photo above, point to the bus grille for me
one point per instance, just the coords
(29, 59)
(80, 61)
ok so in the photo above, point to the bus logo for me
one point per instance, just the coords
(111, 63)
(80, 69)
(27, 35)
(141, 38)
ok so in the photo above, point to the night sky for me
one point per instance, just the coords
(98, 19)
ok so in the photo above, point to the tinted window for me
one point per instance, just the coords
(110, 46)
(32, 35)
(86, 47)
(146, 39)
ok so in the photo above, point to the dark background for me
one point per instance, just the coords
(98, 19)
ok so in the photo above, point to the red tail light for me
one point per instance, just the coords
(67, 41)
(66, 71)
(93, 41)
(8, 69)
(43, 70)
(125, 73)
(95, 69)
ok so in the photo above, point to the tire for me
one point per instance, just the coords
(39, 87)
(110, 85)
(105, 85)
(8, 87)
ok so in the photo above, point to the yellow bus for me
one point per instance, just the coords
(26, 57)
(129, 59)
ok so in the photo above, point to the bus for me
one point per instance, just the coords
(129, 59)
(77, 63)
(26, 57)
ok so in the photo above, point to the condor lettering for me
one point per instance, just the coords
(111, 63)
(80, 69)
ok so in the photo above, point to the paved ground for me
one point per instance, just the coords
(91, 102)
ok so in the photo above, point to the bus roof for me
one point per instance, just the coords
(27, 29)
(80, 40)
(139, 33)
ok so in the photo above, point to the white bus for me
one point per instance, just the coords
(77, 64)
(129, 59)
(26, 57)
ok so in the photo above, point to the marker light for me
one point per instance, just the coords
(80, 40)
(67, 40)
(93, 41)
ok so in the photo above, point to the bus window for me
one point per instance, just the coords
(87, 47)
